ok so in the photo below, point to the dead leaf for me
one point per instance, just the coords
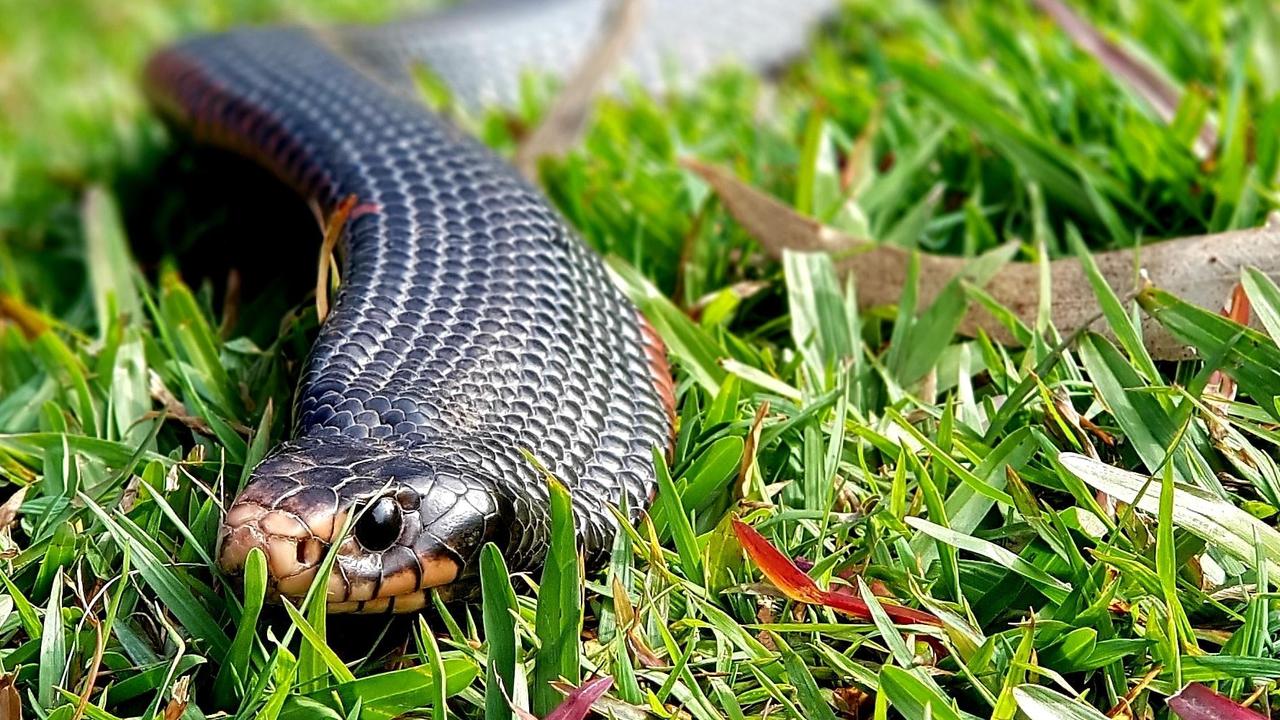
(1149, 84)
(1220, 385)
(622, 608)
(9, 510)
(181, 696)
(95, 665)
(1067, 411)
(10, 700)
(749, 451)
(850, 701)
(1107, 438)
(1201, 269)
(567, 116)
(643, 653)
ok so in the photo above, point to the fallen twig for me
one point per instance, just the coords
(1201, 269)
(565, 120)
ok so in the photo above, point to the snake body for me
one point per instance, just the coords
(473, 332)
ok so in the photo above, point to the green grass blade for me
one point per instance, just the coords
(53, 648)
(558, 622)
(498, 606)
(233, 673)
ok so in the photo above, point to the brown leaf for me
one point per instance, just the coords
(622, 608)
(95, 665)
(10, 700)
(1062, 404)
(1149, 84)
(644, 654)
(9, 510)
(775, 225)
(1238, 309)
(1201, 269)
(850, 700)
(1107, 438)
(181, 696)
(1123, 710)
(749, 451)
(567, 117)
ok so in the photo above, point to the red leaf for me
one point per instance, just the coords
(778, 568)
(1197, 702)
(798, 586)
(577, 704)
(897, 613)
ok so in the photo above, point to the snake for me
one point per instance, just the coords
(475, 345)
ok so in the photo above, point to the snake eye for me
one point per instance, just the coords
(379, 526)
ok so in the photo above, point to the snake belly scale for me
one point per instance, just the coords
(471, 325)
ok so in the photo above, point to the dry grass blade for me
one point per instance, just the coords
(742, 489)
(1142, 78)
(333, 228)
(567, 117)
(1201, 269)
(1215, 521)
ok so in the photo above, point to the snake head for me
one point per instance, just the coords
(416, 524)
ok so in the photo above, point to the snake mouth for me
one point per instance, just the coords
(398, 578)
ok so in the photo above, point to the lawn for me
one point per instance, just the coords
(1089, 521)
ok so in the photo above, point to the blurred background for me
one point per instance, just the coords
(970, 120)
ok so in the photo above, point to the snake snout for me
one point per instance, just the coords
(293, 525)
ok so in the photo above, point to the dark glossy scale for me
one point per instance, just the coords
(471, 324)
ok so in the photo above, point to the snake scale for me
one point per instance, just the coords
(472, 325)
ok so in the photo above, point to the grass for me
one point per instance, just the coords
(893, 456)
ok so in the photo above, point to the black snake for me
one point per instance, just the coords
(472, 325)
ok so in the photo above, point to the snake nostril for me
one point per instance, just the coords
(379, 525)
(309, 551)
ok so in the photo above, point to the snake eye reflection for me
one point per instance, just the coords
(379, 526)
